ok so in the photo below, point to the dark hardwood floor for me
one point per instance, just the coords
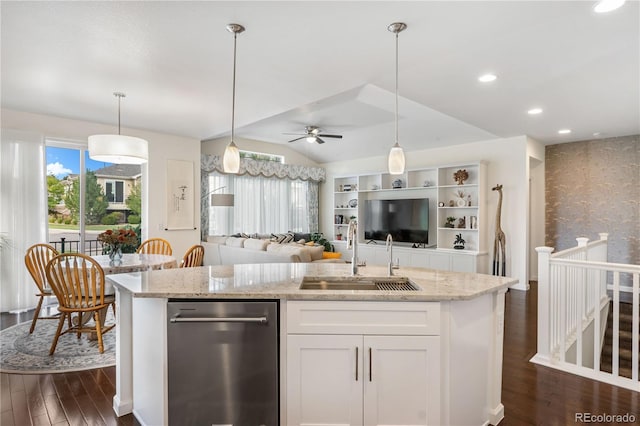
(531, 394)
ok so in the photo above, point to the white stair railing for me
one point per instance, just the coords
(573, 307)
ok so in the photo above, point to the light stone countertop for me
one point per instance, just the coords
(282, 281)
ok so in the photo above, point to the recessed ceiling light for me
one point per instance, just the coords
(487, 78)
(604, 6)
(564, 131)
(534, 111)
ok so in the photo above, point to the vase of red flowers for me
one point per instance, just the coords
(113, 240)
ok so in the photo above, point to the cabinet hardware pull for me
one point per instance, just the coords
(370, 358)
(176, 318)
(356, 363)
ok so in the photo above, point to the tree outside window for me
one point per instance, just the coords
(95, 200)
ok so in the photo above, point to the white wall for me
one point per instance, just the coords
(161, 148)
(507, 164)
(217, 146)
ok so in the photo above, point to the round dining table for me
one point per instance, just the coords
(135, 262)
(130, 262)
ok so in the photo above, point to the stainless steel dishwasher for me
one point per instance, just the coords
(223, 362)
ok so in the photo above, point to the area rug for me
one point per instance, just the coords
(21, 352)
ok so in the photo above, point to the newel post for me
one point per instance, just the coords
(544, 279)
(582, 241)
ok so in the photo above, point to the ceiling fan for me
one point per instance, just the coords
(312, 134)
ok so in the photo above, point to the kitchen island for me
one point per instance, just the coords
(427, 356)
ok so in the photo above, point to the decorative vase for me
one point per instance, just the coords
(115, 254)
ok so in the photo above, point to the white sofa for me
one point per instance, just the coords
(236, 250)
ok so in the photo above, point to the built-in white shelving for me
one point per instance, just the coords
(447, 198)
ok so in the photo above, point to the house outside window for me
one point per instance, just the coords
(117, 182)
(114, 190)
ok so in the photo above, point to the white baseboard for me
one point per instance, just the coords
(122, 408)
(520, 286)
(496, 415)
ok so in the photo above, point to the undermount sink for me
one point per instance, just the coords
(358, 283)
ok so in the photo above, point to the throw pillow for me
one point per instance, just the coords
(235, 242)
(254, 244)
(316, 252)
(282, 238)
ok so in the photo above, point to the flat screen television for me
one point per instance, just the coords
(407, 220)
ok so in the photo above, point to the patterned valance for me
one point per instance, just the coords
(210, 163)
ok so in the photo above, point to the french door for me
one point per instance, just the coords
(85, 197)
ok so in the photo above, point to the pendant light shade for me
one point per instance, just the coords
(396, 155)
(231, 158)
(396, 160)
(118, 149)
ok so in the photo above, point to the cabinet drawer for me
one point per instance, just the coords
(328, 317)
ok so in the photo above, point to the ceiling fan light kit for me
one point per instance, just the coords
(396, 161)
(312, 134)
(118, 149)
(231, 157)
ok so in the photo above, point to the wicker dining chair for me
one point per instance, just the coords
(155, 246)
(36, 259)
(78, 282)
(193, 257)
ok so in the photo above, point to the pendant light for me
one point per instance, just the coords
(396, 155)
(231, 158)
(118, 149)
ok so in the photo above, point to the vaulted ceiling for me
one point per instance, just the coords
(330, 64)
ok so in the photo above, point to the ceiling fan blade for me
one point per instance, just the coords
(318, 140)
(330, 136)
(295, 134)
(297, 139)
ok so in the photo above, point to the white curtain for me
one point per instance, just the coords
(270, 197)
(262, 205)
(23, 210)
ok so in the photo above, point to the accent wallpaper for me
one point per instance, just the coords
(591, 187)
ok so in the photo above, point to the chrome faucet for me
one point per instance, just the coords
(352, 243)
(389, 245)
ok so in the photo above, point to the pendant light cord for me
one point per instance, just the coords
(119, 95)
(233, 95)
(119, 98)
(396, 87)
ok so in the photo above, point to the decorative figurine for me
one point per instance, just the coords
(460, 176)
(500, 240)
(458, 244)
(450, 221)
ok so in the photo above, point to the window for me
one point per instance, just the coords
(261, 205)
(262, 156)
(115, 191)
(79, 197)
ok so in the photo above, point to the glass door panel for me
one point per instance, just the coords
(86, 197)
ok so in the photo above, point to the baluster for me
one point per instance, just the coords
(563, 316)
(579, 318)
(597, 338)
(634, 327)
(616, 322)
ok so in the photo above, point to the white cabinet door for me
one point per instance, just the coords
(402, 380)
(324, 380)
